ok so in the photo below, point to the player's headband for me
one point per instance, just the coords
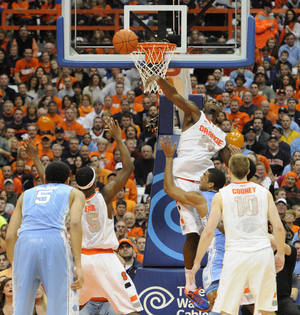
(90, 184)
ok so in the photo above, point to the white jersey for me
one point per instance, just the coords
(245, 215)
(196, 147)
(97, 228)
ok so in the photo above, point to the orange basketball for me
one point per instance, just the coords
(125, 41)
(45, 123)
(235, 138)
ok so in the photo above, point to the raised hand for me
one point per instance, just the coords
(113, 127)
(31, 150)
(168, 149)
(234, 150)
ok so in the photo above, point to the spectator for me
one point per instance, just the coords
(260, 79)
(94, 88)
(116, 159)
(102, 174)
(25, 67)
(292, 112)
(140, 216)
(85, 106)
(4, 264)
(121, 207)
(57, 151)
(4, 81)
(256, 97)
(97, 130)
(251, 142)
(132, 230)
(144, 166)
(77, 88)
(72, 128)
(248, 107)
(24, 41)
(46, 146)
(4, 214)
(277, 158)
(288, 134)
(292, 48)
(265, 25)
(67, 90)
(45, 160)
(237, 118)
(129, 203)
(126, 251)
(25, 177)
(4, 152)
(12, 196)
(134, 107)
(121, 230)
(140, 246)
(283, 60)
(72, 152)
(60, 84)
(212, 89)
(280, 102)
(292, 192)
(60, 138)
(284, 78)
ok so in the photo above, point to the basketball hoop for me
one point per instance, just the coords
(153, 59)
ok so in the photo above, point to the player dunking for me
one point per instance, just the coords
(41, 254)
(104, 274)
(211, 181)
(248, 260)
(199, 141)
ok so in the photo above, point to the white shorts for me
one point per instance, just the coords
(255, 270)
(190, 221)
(104, 276)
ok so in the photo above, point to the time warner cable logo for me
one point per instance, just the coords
(158, 298)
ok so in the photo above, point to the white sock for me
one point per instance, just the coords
(189, 287)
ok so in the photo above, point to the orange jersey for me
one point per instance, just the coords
(137, 107)
(258, 99)
(26, 69)
(238, 120)
(73, 130)
(115, 108)
(275, 107)
(240, 92)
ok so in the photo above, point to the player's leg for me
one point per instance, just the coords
(25, 277)
(267, 313)
(212, 297)
(57, 275)
(90, 308)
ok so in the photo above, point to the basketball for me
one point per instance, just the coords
(125, 41)
(235, 138)
(45, 123)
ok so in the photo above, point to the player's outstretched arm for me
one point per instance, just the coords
(171, 93)
(208, 233)
(279, 233)
(33, 153)
(14, 225)
(76, 204)
(192, 197)
(110, 190)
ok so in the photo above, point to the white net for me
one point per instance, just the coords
(152, 59)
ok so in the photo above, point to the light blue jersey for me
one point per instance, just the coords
(45, 207)
(212, 272)
(42, 254)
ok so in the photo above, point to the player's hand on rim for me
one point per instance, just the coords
(168, 149)
(114, 128)
(151, 79)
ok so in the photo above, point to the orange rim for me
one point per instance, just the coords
(154, 52)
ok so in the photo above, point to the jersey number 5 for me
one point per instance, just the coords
(94, 224)
(246, 205)
(43, 196)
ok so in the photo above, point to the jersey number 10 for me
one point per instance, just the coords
(246, 205)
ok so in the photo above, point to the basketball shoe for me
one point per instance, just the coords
(200, 302)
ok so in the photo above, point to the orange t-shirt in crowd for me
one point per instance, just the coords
(46, 68)
(23, 6)
(238, 120)
(49, 153)
(56, 118)
(84, 111)
(60, 84)
(135, 232)
(275, 107)
(130, 205)
(47, 6)
(271, 116)
(258, 99)
(101, 51)
(73, 130)
(18, 186)
(115, 108)
(116, 100)
(24, 109)
(240, 92)
(26, 69)
(137, 107)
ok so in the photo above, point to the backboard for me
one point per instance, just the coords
(232, 47)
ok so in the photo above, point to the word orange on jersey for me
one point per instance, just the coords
(218, 141)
